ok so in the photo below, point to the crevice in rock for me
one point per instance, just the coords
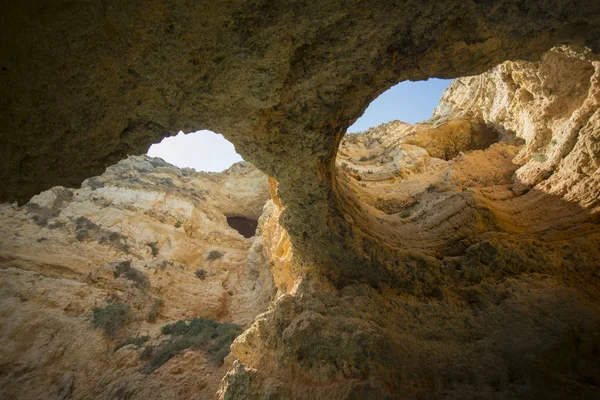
(245, 226)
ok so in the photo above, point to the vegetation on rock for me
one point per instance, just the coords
(214, 255)
(110, 318)
(200, 273)
(125, 270)
(200, 333)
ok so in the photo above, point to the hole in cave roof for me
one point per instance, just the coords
(202, 150)
(409, 102)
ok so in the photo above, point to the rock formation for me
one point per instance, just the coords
(480, 228)
(488, 217)
(456, 258)
(144, 234)
(85, 84)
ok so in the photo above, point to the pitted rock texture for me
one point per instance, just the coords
(64, 253)
(85, 84)
(496, 267)
(505, 262)
(427, 187)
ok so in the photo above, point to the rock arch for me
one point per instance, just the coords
(85, 84)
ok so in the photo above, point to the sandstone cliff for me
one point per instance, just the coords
(137, 236)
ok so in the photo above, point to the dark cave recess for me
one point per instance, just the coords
(245, 226)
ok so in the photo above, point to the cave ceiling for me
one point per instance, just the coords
(84, 84)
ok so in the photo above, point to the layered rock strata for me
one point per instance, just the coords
(85, 84)
(146, 235)
(488, 217)
(456, 258)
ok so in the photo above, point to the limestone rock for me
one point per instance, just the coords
(85, 84)
(457, 258)
(136, 235)
(491, 269)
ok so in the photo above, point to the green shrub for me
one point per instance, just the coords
(539, 157)
(147, 352)
(165, 352)
(86, 224)
(136, 341)
(213, 336)
(125, 270)
(40, 221)
(179, 328)
(200, 273)
(110, 318)
(154, 310)
(81, 235)
(214, 255)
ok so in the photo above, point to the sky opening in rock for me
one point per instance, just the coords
(407, 101)
(202, 150)
(208, 151)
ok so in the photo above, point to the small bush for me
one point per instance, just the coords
(40, 220)
(136, 341)
(539, 157)
(205, 333)
(56, 225)
(84, 223)
(121, 268)
(431, 188)
(81, 235)
(110, 318)
(125, 270)
(117, 240)
(154, 310)
(164, 353)
(147, 352)
(200, 273)
(214, 255)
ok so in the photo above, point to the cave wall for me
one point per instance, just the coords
(509, 309)
(496, 268)
(85, 84)
(145, 235)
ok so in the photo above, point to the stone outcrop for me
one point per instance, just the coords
(85, 84)
(136, 235)
(456, 258)
(496, 264)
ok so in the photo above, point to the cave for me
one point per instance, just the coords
(459, 261)
(245, 226)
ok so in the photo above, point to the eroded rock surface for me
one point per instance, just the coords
(85, 84)
(137, 235)
(456, 258)
(495, 266)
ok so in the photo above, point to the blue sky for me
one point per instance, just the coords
(207, 151)
(407, 101)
